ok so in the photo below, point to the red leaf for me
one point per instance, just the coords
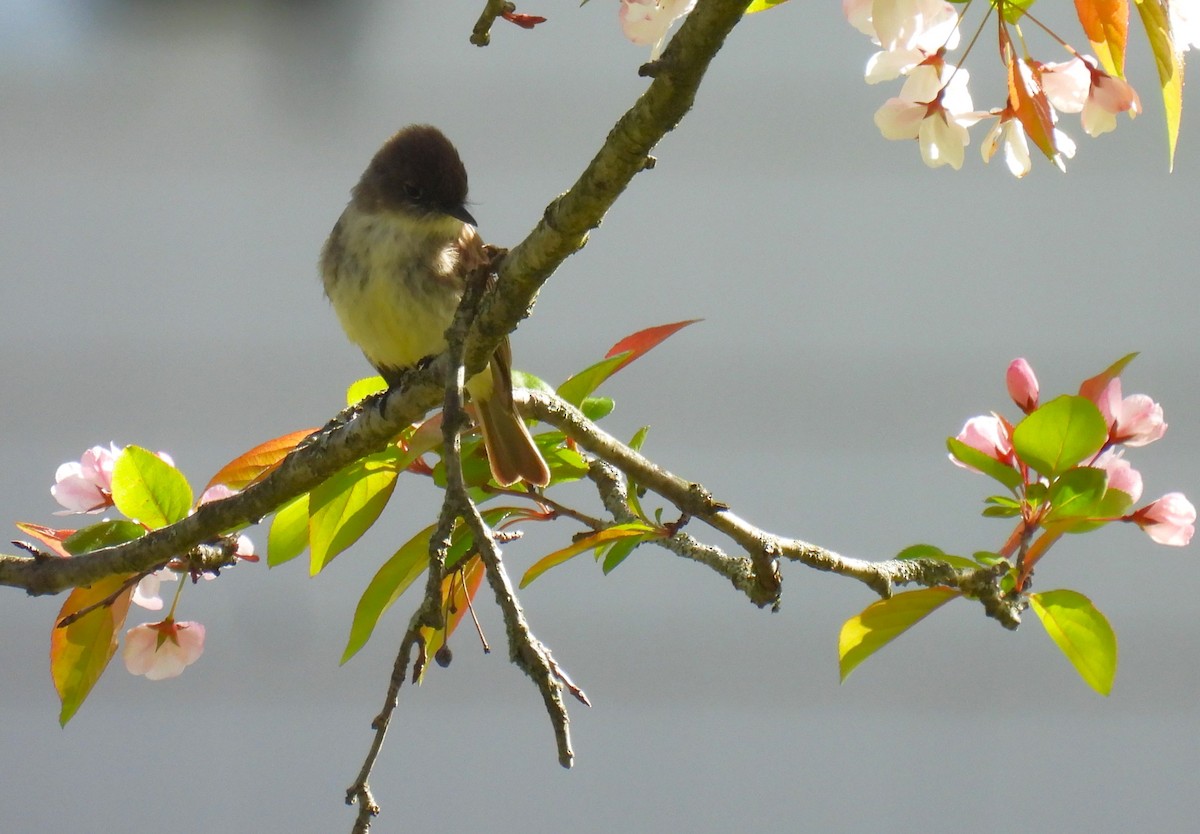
(252, 465)
(48, 536)
(643, 341)
(525, 21)
(1026, 98)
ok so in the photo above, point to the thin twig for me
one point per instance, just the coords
(481, 35)
(763, 547)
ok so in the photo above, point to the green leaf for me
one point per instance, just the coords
(596, 408)
(80, 652)
(930, 551)
(921, 551)
(1014, 9)
(882, 622)
(987, 558)
(580, 385)
(344, 507)
(104, 534)
(618, 551)
(289, 532)
(565, 464)
(639, 437)
(1076, 494)
(1060, 434)
(390, 581)
(981, 462)
(148, 489)
(585, 543)
(396, 574)
(1169, 62)
(1082, 633)
(363, 388)
(521, 379)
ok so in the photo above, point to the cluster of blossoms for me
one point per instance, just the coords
(935, 108)
(157, 650)
(1129, 421)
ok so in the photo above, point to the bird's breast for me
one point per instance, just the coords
(394, 282)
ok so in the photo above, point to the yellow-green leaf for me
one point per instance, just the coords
(584, 543)
(1106, 24)
(1082, 633)
(882, 622)
(148, 489)
(364, 388)
(344, 507)
(390, 581)
(763, 5)
(1169, 62)
(289, 531)
(80, 652)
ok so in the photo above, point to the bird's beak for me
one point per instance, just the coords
(461, 213)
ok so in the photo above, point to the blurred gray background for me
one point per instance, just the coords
(168, 172)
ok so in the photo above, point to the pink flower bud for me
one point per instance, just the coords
(162, 650)
(1022, 385)
(1169, 520)
(989, 435)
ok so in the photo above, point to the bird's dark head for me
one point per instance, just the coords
(417, 172)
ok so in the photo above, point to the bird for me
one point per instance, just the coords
(394, 268)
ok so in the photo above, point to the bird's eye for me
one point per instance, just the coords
(413, 192)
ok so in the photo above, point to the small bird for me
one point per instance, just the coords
(394, 268)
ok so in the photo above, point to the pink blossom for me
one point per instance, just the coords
(162, 650)
(1009, 133)
(646, 22)
(908, 24)
(934, 107)
(989, 435)
(1120, 473)
(1185, 24)
(216, 492)
(1169, 520)
(1080, 86)
(146, 594)
(85, 486)
(1022, 385)
(1135, 420)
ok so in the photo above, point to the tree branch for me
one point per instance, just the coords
(562, 231)
(757, 575)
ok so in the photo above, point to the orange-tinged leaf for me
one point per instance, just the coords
(1092, 387)
(1169, 62)
(1031, 105)
(80, 652)
(249, 466)
(48, 536)
(1106, 24)
(588, 542)
(640, 343)
(882, 622)
(457, 588)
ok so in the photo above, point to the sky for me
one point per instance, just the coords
(168, 173)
